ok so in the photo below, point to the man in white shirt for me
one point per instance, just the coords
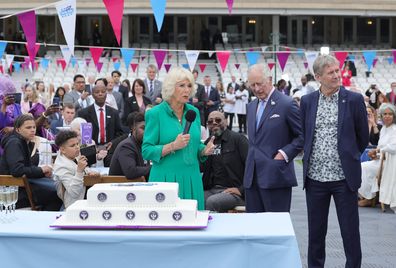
(114, 98)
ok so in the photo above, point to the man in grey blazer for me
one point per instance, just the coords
(153, 86)
(117, 96)
(78, 96)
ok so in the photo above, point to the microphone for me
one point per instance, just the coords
(190, 117)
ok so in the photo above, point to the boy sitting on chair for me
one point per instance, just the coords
(70, 168)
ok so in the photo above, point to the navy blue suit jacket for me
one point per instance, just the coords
(279, 129)
(352, 134)
(56, 123)
(215, 97)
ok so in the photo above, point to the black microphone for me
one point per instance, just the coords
(190, 117)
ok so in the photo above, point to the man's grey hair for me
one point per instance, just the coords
(175, 75)
(153, 67)
(386, 106)
(260, 68)
(322, 61)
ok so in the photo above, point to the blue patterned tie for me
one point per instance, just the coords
(260, 112)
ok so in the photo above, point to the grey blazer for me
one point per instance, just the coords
(120, 102)
(72, 97)
(157, 89)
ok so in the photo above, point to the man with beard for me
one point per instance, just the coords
(223, 171)
(127, 159)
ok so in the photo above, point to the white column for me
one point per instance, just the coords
(275, 29)
(125, 31)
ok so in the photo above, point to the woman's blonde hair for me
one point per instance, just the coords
(174, 76)
(35, 95)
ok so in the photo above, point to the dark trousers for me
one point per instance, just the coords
(44, 195)
(230, 120)
(267, 200)
(318, 195)
(242, 122)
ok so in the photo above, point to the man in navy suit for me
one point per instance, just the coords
(275, 138)
(68, 113)
(335, 130)
(213, 97)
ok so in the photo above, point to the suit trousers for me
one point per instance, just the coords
(318, 195)
(267, 200)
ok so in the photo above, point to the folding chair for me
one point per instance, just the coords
(8, 180)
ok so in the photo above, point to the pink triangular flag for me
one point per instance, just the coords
(230, 3)
(36, 48)
(237, 66)
(115, 9)
(28, 22)
(62, 62)
(341, 56)
(159, 57)
(394, 56)
(271, 65)
(375, 62)
(223, 57)
(202, 67)
(282, 58)
(99, 66)
(306, 65)
(167, 66)
(134, 66)
(114, 59)
(96, 52)
(1, 69)
(87, 61)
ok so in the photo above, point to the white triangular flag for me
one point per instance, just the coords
(9, 60)
(66, 53)
(264, 48)
(192, 57)
(67, 16)
(311, 57)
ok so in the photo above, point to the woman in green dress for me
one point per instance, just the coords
(175, 157)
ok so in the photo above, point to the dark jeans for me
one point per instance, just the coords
(231, 119)
(242, 122)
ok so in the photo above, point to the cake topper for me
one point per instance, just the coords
(102, 197)
(130, 215)
(153, 215)
(160, 197)
(177, 215)
(84, 215)
(131, 197)
(106, 215)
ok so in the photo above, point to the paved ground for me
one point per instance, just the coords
(377, 229)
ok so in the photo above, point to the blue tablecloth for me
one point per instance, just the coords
(231, 240)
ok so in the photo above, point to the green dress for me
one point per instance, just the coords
(182, 166)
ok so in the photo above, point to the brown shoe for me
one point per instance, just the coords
(365, 203)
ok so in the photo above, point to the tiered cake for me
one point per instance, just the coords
(133, 205)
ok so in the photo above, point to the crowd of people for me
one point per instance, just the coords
(143, 129)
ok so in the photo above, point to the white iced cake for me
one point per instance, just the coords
(134, 204)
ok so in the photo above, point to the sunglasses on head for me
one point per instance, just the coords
(217, 120)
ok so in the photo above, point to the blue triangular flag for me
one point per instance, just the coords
(186, 66)
(44, 63)
(81, 64)
(369, 57)
(390, 60)
(127, 55)
(351, 57)
(17, 67)
(300, 52)
(117, 65)
(252, 57)
(158, 7)
(2, 48)
(73, 61)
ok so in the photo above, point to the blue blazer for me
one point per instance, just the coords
(56, 123)
(352, 133)
(279, 129)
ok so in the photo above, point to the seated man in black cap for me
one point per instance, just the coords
(223, 171)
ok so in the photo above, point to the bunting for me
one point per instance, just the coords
(168, 66)
(3, 46)
(230, 4)
(202, 67)
(341, 56)
(252, 57)
(282, 58)
(96, 52)
(158, 7)
(223, 57)
(192, 57)
(28, 23)
(66, 53)
(127, 55)
(369, 57)
(134, 66)
(67, 16)
(115, 9)
(159, 57)
(271, 65)
(311, 57)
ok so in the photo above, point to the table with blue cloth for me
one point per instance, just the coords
(230, 240)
